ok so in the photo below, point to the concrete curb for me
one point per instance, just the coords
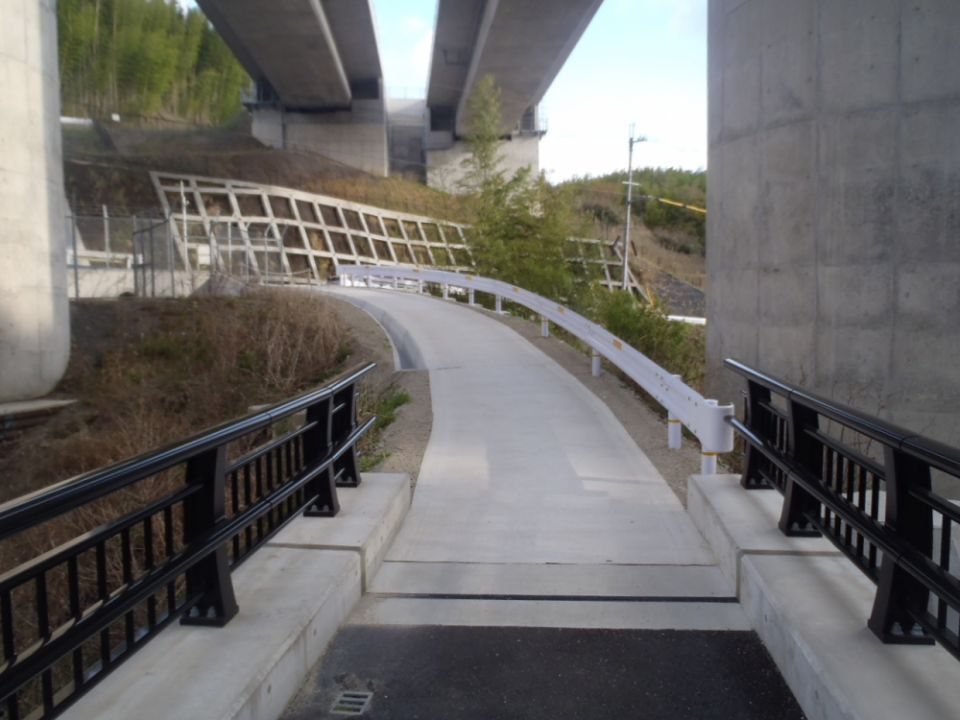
(294, 594)
(810, 606)
(407, 355)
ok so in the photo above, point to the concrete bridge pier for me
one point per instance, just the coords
(833, 249)
(34, 309)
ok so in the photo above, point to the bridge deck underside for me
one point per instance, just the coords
(523, 43)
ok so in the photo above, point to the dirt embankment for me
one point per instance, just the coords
(116, 173)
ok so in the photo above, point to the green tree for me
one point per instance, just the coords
(140, 57)
(522, 226)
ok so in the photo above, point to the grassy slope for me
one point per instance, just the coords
(120, 179)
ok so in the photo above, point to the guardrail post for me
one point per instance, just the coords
(446, 291)
(898, 593)
(595, 360)
(396, 283)
(202, 511)
(544, 327)
(344, 422)
(499, 306)
(316, 447)
(807, 451)
(470, 295)
(755, 395)
(674, 432)
(419, 287)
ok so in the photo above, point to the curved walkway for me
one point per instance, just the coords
(531, 493)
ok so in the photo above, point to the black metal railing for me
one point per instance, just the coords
(875, 502)
(178, 520)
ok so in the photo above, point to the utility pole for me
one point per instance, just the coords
(629, 184)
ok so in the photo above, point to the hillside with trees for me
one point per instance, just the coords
(145, 58)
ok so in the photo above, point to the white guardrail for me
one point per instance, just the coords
(704, 418)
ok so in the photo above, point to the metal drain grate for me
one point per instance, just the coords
(352, 702)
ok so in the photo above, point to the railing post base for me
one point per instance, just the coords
(544, 327)
(595, 362)
(471, 297)
(446, 291)
(897, 591)
(210, 578)
(499, 306)
(708, 463)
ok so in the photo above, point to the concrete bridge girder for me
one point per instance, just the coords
(523, 43)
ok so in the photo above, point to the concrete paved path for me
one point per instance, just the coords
(533, 505)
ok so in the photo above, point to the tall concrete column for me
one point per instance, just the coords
(34, 311)
(833, 241)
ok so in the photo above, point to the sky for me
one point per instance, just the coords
(640, 61)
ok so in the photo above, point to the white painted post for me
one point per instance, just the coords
(675, 428)
(708, 463)
(544, 327)
(396, 283)
(106, 235)
(499, 304)
(419, 287)
(674, 432)
(595, 359)
(470, 295)
(446, 291)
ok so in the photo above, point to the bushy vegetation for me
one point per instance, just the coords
(140, 57)
(521, 231)
(521, 225)
(676, 347)
(164, 369)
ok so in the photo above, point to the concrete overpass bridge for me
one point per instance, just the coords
(319, 81)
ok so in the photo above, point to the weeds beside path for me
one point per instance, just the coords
(148, 372)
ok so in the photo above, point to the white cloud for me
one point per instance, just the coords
(421, 54)
(412, 25)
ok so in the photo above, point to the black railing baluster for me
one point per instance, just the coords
(235, 507)
(798, 504)
(43, 631)
(259, 477)
(899, 595)
(758, 418)
(945, 532)
(248, 532)
(73, 584)
(169, 549)
(148, 564)
(104, 594)
(209, 580)
(322, 491)
(126, 553)
(862, 505)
